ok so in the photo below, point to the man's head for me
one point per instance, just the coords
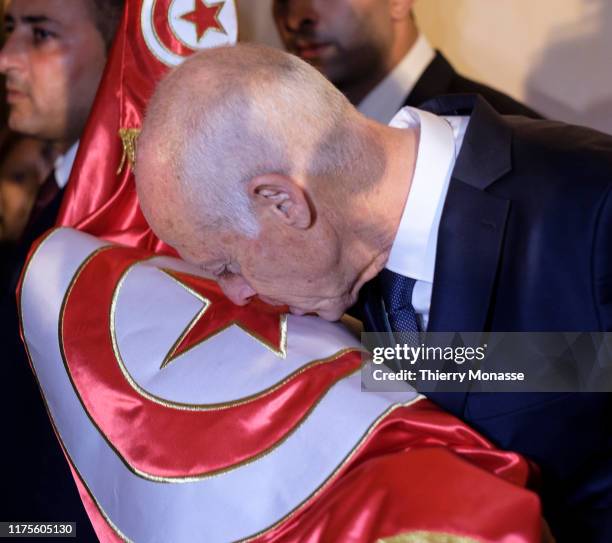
(53, 58)
(249, 163)
(354, 43)
(24, 164)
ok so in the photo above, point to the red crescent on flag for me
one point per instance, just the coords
(164, 440)
(161, 27)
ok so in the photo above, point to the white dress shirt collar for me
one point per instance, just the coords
(63, 165)
(413, 252)
(390, 94)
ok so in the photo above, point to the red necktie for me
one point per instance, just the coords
(47, 192)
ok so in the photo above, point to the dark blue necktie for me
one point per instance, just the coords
(396, 292)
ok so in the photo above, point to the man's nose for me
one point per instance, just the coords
(301, 13)
(11, 54)
(237, 290)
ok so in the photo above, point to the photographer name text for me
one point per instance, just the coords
(438, 375)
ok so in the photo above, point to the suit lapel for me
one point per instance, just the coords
(472, 227)
(469, 247)
(473, 222)
(436, 80)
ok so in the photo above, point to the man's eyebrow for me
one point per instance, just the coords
(213, 266)
(37, 19)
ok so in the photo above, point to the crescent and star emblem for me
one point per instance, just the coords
(218, 314)
(205, 17)
(91, 352)
(174, 29)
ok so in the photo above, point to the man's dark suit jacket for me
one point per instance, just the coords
(440, 78)
(525, 244)
(37, 483)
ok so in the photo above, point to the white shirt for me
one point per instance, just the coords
(382, 103)
(413, 253)
(63, 165)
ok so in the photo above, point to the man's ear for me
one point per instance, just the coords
(282, 197)
(400, 9)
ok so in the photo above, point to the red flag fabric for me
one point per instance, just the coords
(259, 430)
(154, 35)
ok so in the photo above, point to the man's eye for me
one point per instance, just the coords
(41, 35)
(8, 28)
(225, 274)
(18, 177)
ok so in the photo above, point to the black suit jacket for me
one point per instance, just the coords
(525, 244)
(440, 78)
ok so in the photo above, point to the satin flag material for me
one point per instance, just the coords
(255, 431)
(154, 36)
(184, 418)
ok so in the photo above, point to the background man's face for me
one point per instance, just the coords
(21, 173)
(341, 38)
(53, 60)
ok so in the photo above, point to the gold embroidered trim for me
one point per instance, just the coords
(280, 352)
(213, 406)
(101, 510)
(132, 469)
(143, 475)
(426, 537)
(340, 466)
(206, 304)
(46, 405)
(129, 137)
(219, 28)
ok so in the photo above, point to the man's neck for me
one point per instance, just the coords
(380, 210)
(63, 165)
(60, 147)
(358, 89)
(401, 146)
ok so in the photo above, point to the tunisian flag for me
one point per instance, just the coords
(186, 418)
(154, 36)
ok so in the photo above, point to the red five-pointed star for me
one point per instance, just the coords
(265, 323)
(205, 17)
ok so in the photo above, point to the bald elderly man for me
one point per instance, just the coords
(258, 170)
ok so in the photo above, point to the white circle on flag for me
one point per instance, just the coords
(187, 22)
(152, 310)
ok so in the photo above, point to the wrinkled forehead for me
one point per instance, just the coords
(172, 221)
(202, 255)
(168, 220)
(209, 254)
(158, 194)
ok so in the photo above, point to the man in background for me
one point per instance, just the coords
(24, 164)
(52, 58)
(374, 53)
